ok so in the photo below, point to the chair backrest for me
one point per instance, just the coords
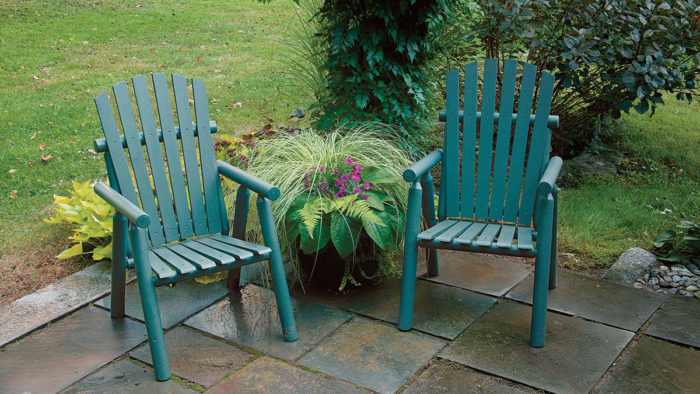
(500, 185)
(186, 203)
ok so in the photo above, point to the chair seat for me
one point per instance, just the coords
(208, 254)
(480, 236)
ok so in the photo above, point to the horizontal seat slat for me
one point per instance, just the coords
(525, 238)
(468, 236)
(238, 253)
(202, 262)
(450, 234)
(259, 250)
(216, 255)
(487, 236)
(436, 230)
(505, 238)
(160, 268)
(181, 265)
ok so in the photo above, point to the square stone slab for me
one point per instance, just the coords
(576, 354)
(447, 377)
(678, 320)
(372, 355)
(250, 318)
(479, 272)
(593, 299)
(196, 357)
(439, 310)
(654, 366)
(176, 303)
(67, 351)
(53, 301)
(268, 375)
(124, 376)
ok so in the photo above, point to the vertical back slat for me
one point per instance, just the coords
(450, 174)
(522, 126)
(207, 159)
(471, 87)
(488, 108)
(189, 153)
(500, 163)
(537, 145)
(138, 161)
(155, 158)
(172, 153)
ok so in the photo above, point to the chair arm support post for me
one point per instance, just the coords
(121, 239)
(125, 207)
(422, 166)
(240, 216)
(428, 200)
(410, 256)
(550, 175)
(252, 182)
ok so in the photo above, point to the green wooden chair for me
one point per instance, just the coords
(492, 209)
(182, 230)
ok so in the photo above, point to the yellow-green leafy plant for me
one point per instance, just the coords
(90, 219)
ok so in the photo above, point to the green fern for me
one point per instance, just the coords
(353, 207)
(311, 213)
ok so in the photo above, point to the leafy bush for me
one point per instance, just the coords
(608, 56)
(90, 218)
(673, 247)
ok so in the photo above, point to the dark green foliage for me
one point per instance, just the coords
(671, 246)
(608, 56)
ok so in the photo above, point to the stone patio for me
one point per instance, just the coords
(470, 334)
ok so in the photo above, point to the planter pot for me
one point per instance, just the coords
(325, 269)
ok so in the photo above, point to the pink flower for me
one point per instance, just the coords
(348, 160)
(320, 169)
(325, 184)
(335, 172)
(342, 189)
(367, 185)
(356, 190)
(344, 177)
(338, 182)
(364, 196)
(339, 195)
(356, 178)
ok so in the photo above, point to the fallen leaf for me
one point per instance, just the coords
(214, 101)
(197, 59)
(50, 123)
(249, 102)
(238, 104)
(91, 151)
(35, 77)
(44, 159)
(42, 146)
(13, 194)
(11, 171)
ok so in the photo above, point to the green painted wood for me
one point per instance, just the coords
(553, 120)
(450, 160)
(544, 220)
(471, 88)
(120, 237)
(155, 158)
(428, 208)
(182, 266)
(216, 255)
(436, 230)
(197, 259)
(189, 153)
(522, 126)
(138, 162)
(210, 172)
(450, 234)
(525, 238)
(486, 126)
(410, 256)
(172, 153)
(539, 136)
(500, 162)
(488, 235)
(258, 250)
(238, 253)
(101, 145)
(506, 236)
(162, 270)
(468, 235)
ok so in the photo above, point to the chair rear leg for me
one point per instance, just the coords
(120, 239)
(279, 279)
(553, 258)
(429, 217)
(538, 325)
(410, 258)
(149, 302)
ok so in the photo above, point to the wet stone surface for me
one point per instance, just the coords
(67, 351)
(196, 357)
(576, 354)
(438, 310)
(678, 320)
(175, 303)
(447, 377)
(125, 376)
(479, 272)
(654, 366)
(250, 318)
(53, 301)
(267, 375)
(372, 355)
(597, 300)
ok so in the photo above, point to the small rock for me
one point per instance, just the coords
(632, 264)
(692, 288)
(696, 272)
(656, 287)
(681, 270)
(668, 279)
(646, 277)
(697, 294)
(672, 291)
(685, 293)
(675, 284)
(663, 268)
(676, 278)
(654, 281)
(638, 285)
(665, 284)
(692, 266)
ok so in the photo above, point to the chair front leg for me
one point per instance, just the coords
(240, 218)
(543, 218)
(119, 241)
(429, 217)
(410, 257)
(553, 258)
(279, 279)
(149, 302)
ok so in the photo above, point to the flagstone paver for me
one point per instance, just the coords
(267, 375)
(250, 318)
(196, 357)
(175, 303)
(66, 351)
(372, 354)
(447, 377)
(439, 310)
(576, 354)
(53, 301)
(678, 320)
(126, 376)
(655, 366)
(598, 300)
(479, 272)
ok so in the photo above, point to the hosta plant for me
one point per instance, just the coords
(677, 246)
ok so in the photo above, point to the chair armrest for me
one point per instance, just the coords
(550, 175)
(419, 168)
(252, 182)
(133, 213)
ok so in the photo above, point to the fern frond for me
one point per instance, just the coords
(353, 207)
(311, 213)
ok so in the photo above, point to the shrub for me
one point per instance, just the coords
(674, 247)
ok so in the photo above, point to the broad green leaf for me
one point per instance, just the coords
(380, 234)
(102, 252)
(344, 233)
(74, 250)
(321, 236)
